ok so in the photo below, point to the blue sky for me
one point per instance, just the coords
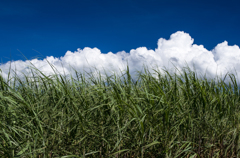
(53, 27)
(57, 26)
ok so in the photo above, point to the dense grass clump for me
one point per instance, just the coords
(176, 115)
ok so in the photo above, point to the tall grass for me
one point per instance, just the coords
(175, 115)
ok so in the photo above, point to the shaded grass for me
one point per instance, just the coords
(176, 115)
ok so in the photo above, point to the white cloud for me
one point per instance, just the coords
(178, 50)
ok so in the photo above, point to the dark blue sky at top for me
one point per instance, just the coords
(53, 27)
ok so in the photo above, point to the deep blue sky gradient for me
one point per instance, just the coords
(53, 27)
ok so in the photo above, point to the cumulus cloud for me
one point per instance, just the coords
(177, 51)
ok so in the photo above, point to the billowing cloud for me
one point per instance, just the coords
(173, 53)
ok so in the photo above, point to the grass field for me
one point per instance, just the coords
(176, 115)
